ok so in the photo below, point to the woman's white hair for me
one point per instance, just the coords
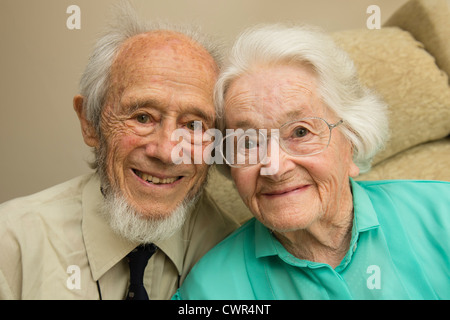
(364, 114)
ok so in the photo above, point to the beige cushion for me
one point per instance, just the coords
(429, 161)
(396, 66)
(429, 22)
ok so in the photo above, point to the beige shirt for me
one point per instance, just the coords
(56, 245)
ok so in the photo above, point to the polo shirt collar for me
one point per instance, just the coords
(365, 215)
(264, 241)
(103, 246)
(365, 219)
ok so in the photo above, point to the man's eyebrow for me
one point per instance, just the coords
(136, 104)
(200, 113)
(153, 103)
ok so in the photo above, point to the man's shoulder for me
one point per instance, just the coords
(44, 202)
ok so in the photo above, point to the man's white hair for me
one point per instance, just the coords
(364, 113)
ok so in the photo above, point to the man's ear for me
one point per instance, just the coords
(88, 131)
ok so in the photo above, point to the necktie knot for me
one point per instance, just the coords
(138, 259)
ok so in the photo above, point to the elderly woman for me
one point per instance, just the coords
(317, 233)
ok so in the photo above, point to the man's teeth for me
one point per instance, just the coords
(155, 180)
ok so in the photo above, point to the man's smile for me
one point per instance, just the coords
(153, 179)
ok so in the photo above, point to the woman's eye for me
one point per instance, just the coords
(300, 132)
(249, 144)
(246, 143)
(143, 118)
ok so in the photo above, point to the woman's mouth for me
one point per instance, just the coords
(285, 191)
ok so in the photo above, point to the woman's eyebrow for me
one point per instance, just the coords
(295, 115)
(292, 115)
(245, 124)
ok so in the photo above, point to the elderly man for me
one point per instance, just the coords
(317, 233)
(136, 227)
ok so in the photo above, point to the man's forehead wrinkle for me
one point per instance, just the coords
(163, 53)
(159, 43)
(156, 39)
(159, 74)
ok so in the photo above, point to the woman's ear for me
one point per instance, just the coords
(353, 169)
(88, 131)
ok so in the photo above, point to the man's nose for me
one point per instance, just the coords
(160, 144)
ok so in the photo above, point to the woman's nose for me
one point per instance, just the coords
(278, 162)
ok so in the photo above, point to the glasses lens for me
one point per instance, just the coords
(244, 148)
(305, 137)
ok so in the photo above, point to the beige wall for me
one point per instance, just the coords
(41, 62)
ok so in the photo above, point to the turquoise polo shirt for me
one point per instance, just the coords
(399, 249)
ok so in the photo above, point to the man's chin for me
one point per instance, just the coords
(141, 227)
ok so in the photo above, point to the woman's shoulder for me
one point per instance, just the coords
(222, 271)
(414, 205)
(411, 190)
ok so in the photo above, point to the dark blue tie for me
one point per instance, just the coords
(138, 259)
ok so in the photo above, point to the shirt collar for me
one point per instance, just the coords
(365, 215)
(365, 219)
(264, 241)
(104, 247)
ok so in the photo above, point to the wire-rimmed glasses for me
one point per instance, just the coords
(302, 137)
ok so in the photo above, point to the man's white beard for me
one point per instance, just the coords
(132, 225)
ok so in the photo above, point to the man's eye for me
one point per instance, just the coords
(143, 118)
(193, 125)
